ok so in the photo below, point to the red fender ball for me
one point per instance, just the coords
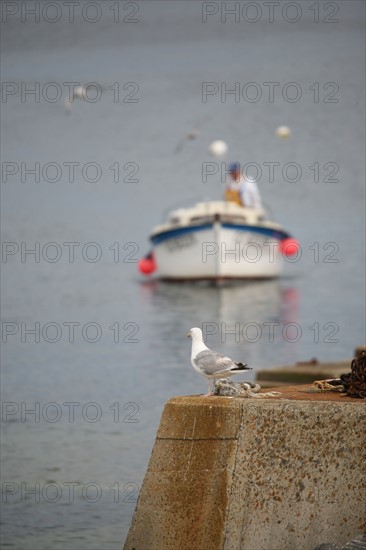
(289, 247)
(147, 265)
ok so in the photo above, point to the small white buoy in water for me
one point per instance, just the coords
(218, 148)
(283, 131)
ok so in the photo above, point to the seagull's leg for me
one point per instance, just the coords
(209, 393)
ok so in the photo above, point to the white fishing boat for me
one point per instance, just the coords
(217, 240)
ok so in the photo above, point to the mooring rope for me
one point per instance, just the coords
(354, 382)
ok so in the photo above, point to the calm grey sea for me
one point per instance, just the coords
(90, 351)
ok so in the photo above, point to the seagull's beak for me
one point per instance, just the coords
(189, 334)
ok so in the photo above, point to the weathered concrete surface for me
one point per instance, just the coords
(247, 474)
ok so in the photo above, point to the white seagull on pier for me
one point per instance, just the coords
(209, 363)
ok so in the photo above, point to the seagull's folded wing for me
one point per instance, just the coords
(210, 362)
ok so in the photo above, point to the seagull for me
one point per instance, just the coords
(209, 363)
(193, 134)
(78, 93)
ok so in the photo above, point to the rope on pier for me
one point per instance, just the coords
(354, 382)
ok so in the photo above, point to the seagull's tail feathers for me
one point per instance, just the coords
(241, 366)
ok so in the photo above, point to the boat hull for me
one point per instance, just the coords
(218, 250)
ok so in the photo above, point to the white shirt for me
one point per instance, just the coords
(248, 189)
(249, 192)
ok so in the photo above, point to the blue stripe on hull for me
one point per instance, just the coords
(275, 233)
(171, 233)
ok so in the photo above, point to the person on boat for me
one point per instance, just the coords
(242, 189)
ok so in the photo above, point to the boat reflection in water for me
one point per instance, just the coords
(253, 321)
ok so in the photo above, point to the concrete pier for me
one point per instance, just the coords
(254, 474)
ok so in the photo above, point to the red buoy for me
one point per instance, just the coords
(289, 246)
(147, 265)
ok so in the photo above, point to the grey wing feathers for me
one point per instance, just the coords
(212, 362)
